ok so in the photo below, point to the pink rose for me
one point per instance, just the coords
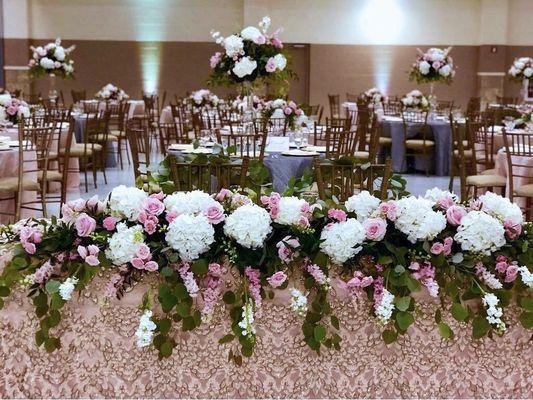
(215, 214)
(150, 226)
(143, 252)
(143, 217)
(85, 225)
(275, 40)
(171, 216)
(375, 229)
(151, 266)
(11, 110)
(455, 214)
(270, 65)
(388, 209)
(215, 59)
(305, 208)
(274, 210)
(153, 206)
(109, 223)
(511, 273)
(339, 215)
(93, 201)
(29, 247)
(277, 279)
(414, 266)
(501, 266)
(287, 249)
(93, 250)
(260, 40)
(287, 110)
(512, 229)
(221, 196)
(137, 263)
(304, 221)
(437, 248)
(82, 251)
(158, 196)
(77, 205)
(448, 242)
(445, 203)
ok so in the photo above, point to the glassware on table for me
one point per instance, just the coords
(205, 135)
(509, 123)
(305, 137)
(298, 138)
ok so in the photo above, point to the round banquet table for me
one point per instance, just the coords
(79, 133)
(526, 166)
(98, 356)
(9, 160)
(442, 135)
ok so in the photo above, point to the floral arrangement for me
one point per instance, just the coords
(525, 110)
(279, 108)
(383, 250)
(13, 109)
(241, 103)
(249, 55)
(435, 65)
(373, 96)
(111, 92)
(416, 100)
(204, 98)
(51, 59)
(521, 69)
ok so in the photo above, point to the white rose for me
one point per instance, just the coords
(445, 70)
(424, 67)
(251, 33)
(281, 61)
(245, 66)
(233, 45)
(59, 53)
(528, 72)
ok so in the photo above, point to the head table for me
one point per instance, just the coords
(99, 357)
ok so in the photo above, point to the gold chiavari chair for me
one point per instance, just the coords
(251, 146)
(422, 144)
(168, 134)
(313, 112)
(78, 96)
(208, 177)
(340, 143)
(34, 146)
(444, 107)
(138, 134)
(334, 106)
(473, 107)
(519, 154)
(179, 117)
(117, 128)
(343, 180)
(392, 108)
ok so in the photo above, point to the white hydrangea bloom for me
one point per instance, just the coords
(500, 207)
(298, 302)
(437, 194)
(189, 202)
(417, 220)
(190, 235)
(145, 331)
(123, 245)
(289, 212)
(233, 45)
(363, 204)
(480, 233)
(245, 66)
(342, 240)
(249, 225)
(281, 61)
(251, 33)
(67, 287)
(126, 202)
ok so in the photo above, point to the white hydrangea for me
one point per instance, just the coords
(123, 245)
(249, 225)
(417, 220)
(385, 308)
(437, 194)
(245, 66)
(342, 240)
(363, 204)
(145, 331)
(189, 202)
(289, 210)
(280, 61)
(126, 202)
(190, 235)
(233, 45)
(500, 207)
(480, 233)
(494, 313)
(67, 287)
(251, 33)
(298, 302)
(47, 63)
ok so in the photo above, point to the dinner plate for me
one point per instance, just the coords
(299, 153)
(180, 146)
(316, 149)
(199, 150)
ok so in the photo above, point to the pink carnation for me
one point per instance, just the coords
(277, 279)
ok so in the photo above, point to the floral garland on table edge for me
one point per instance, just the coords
(385, 249)
(13, 109)
(435, 65)
(51, 59)
(415, 100)
(204, 98)
(373, 96)
(279, 108)
(521, 69)
(250, 55)
(111, 92)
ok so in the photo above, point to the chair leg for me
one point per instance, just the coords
(452, 176)
(93, 165)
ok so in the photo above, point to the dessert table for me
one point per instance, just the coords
(99, 358)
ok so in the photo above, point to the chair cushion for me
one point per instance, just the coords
(51, 176)
(10, 184)
(361, 154)
(101, 138)
(526, 190)
(418, 143)
(466, 153)
(385, 141)
(117, 133)
(78, 150)
(486, 180)
(52, 155)
(491, 171)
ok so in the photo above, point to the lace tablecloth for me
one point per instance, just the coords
(99, 357)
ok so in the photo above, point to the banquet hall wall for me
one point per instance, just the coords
(333, 57)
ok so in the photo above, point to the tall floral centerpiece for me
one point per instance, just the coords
(249, 57)
(111, 92)
(435, 65)
(521, 69)
(52, 60)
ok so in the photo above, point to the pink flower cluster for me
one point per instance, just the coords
(512, 229)
(45, 271)
(29, 237)
(272, 203)
(356, 284)
(114, 282)
(71, 209)
(445, 247)
(336, 214)
(287, 249)
(212, 290)
(89, 254)
(316, 272)
(277, 279)
(388, 209)
(510, 269)
(144, 259)
(378, 291)
(254, 287)
(152, 208)
(215, 59)
(488, 277)
(188, 279)
(425, 273)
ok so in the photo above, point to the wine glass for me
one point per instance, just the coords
(298, 138)
(509, 123)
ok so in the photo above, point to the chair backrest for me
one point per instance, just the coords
(168, 134)
(78, 96)
(342, 180)
(473, 107)
(392, 108)
(334, 105)
(340, 143)
(208, 177)
(481, 138)
(352, 98)
(246, 145)
(519, 154)
(138, 135)
(444, 107)
(91, 106)
(418, 118)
